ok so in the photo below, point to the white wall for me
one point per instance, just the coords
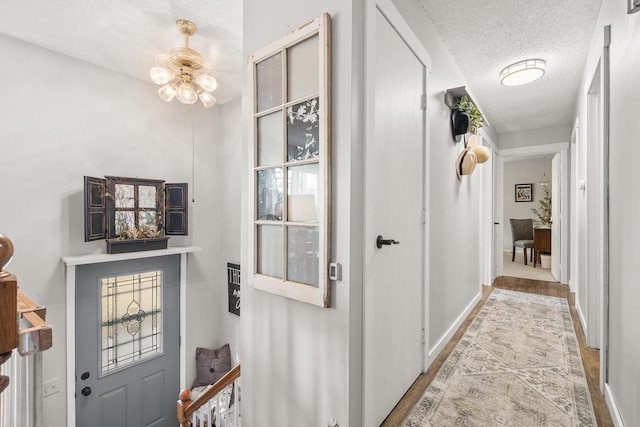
(624, 316)
(295, 356)
(528, 138)
(525, 171)
(63, 118)
(454, 268)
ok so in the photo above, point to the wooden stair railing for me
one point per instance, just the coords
(187, 407)
(22, 320)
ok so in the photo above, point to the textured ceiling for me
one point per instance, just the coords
(485, 36)
(126, 35)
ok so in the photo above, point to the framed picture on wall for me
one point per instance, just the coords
(634, 6)
(524, 192)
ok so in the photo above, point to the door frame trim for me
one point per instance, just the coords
(397, 21)
(563, 149)
(71, 263)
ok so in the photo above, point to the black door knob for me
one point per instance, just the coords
(380, 241)
(86, 391)
(85, 375)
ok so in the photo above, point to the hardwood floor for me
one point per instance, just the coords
(590, 357)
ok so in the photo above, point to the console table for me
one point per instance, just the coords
(541, 242)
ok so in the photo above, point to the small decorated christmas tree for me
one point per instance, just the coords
(544, 211)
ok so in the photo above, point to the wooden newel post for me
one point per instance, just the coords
(184, 401)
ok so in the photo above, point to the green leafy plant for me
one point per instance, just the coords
(476, 121)
(544, 211)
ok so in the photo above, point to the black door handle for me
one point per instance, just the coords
(86, 391)
(380, 241)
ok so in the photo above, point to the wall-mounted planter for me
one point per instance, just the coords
(459, 124)
(118, 246)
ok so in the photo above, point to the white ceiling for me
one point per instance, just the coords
(485, 36)
(126, 35)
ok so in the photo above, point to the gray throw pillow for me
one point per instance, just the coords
(211, 365)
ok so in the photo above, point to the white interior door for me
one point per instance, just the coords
(556, 208)
(394, 209)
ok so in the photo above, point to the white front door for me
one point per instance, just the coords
(127, 343)
(394, 210)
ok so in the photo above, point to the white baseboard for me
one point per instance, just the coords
(613, 406)
(583, 322)
(446, 337)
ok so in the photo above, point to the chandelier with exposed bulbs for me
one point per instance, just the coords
(182, 72)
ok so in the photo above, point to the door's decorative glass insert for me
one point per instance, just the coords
(303, 252)
(269, 195)
(131, 319)
(303, 127)
(303, 68)
(302, 188)
(269, 82)
(270, 139)
(270, 250)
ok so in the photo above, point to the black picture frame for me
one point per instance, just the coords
(633, 6)
(523, 193)
(233, 282)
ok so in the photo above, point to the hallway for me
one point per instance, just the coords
(590, 357)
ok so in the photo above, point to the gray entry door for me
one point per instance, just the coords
(127, 343)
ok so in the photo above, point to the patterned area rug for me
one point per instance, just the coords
(518, 364)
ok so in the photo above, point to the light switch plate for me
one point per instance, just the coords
(51, 387)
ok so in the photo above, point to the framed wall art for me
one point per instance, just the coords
(289, 83)
(524, 192)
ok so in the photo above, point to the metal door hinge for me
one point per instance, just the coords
(424, 340)
(424, 216)
(423, 101)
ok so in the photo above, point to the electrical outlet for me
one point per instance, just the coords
(333, 423)
(51, 387)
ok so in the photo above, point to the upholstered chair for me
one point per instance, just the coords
(522, 236)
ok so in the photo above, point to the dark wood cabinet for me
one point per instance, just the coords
(541, 243)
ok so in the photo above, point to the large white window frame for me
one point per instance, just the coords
(317, 293)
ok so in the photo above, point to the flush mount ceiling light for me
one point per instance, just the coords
(522, 72)
(183, 73)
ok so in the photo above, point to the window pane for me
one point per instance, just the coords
(147, 219)
(270, 139)
(124, 196)
(269, 197)
(146, 196)
(124, 219)
(269, 83)
(303, 252)
(270, 250)
(303, 68)
(303, 130)
(302, 186)
(131, 325)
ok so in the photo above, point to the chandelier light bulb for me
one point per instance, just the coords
(186, 93)
(182, 72)
(160, 75)
(207, 82)
(207, 99)
(167, 92)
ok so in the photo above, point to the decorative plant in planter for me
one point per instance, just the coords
(134, 214)
(544, 211)
(476, 121)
